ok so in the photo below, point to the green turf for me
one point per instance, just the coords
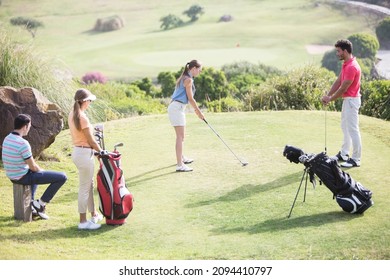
(274, 33)
(221, 210)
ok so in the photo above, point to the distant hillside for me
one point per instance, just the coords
(275, 33)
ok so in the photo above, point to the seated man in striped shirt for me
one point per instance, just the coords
(21, 168)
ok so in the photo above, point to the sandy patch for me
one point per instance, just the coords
(318, 49)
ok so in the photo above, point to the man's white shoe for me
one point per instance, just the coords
(97, 218)
(351, 163)
(88, 225)
(183, 168)
(341, 157)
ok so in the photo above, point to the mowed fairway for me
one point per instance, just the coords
(274, 33)
(221, 210)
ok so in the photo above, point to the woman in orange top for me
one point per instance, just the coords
(83, 157)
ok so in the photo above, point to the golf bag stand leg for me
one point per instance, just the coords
(305, 174)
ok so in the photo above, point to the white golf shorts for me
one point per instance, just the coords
(176, 113)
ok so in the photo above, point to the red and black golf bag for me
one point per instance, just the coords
(116, 201)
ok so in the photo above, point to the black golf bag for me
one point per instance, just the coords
(351, 196)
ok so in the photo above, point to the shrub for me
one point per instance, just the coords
(244, 74)
(147, 86)
(227, 104)
(383, 33)
(300, 89)
(376, 99)
(94, 77)
(167, 80)
(331, 62)
(364, 45)
(123, 100)
(211, 85)
(244, 67)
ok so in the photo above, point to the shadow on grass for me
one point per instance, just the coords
(140, 177)
(249, 190)
(281, 224)
(49, 234)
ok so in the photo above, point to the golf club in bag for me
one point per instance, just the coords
(115, 200)
(243, 163)
(351, 196)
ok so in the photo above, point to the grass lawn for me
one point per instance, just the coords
(220, 210)
(274, 33)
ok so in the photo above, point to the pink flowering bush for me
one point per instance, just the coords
(94, 77)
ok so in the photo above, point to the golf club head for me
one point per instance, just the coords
(244, 163)
(118, 145)
(99, 127)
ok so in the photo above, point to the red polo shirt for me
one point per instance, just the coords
(351, 71)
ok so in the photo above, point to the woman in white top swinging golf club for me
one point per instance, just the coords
(184, 94)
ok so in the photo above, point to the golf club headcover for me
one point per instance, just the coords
(292, 153)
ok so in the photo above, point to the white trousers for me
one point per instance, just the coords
(84, 160)
(350, 127)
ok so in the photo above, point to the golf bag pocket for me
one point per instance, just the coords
(123, 209)
(357, 202)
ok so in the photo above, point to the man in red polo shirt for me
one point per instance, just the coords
(347, 86)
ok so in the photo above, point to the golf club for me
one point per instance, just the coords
(99, 135)
(118, 145)
(325, 130)
(242, 163)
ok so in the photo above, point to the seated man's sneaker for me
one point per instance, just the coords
(183, 168)
(351, 163)
(341, 157)
(89, 225)
(40, 209)
(33, 211)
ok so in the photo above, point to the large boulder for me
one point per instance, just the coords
(109, 24)
(46, 118)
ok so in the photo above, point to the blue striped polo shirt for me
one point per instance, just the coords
(14, 153)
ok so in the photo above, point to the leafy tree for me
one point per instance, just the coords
(30, 24)
(364, 45)
(383, 33)
(260, 70)
(211, 85)
(331, 62)
(299, 89)
(167, 80)
(147, 86)
(245, 74)
(170, 21)
(194, 12)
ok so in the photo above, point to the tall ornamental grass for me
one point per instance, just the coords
(21, 66)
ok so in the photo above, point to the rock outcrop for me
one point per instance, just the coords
(47, 121)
